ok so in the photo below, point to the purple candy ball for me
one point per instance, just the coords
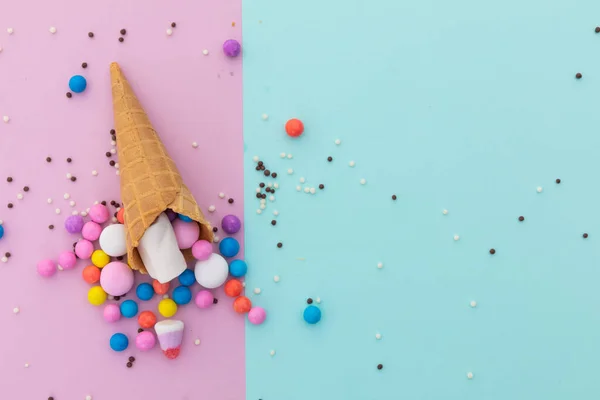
(74, 224)
(171, 214)
(232, 48)
(231, 224)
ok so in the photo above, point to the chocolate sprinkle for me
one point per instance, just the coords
(121, 39)
(309, 301)
(112, 132)
(123, 32)
(585, 235)
(112, 163)
(279, 245)
(50, 226)
(258, 195)
(230, 201)
(10, 205)
(578, 75)
(521, 218)
(103, 202)
(264, 196)
(129, 365)
(379, 366)
(132, 359)
(26, 189)
(262, 185)
(273, 222)
(321, 186)
(108, 154)
(69, 95)
(274, 175)
(48, 159)
(50, 398)
(394, 197)
(215, 229)
(69, 160)
(492, 251)
(73, 179)
(267, 172)
(597, 30)
(330, 159)
(91, 34)
(7, 255)
(260, 163)
(120, 258)
(173, 24)
(112, 202)
(557, 180)
(117, 298)
(84, 65)
(215, 301)
(9, 179)
(140, 330)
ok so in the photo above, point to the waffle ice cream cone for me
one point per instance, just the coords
(150, 181)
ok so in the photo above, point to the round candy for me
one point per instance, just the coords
(96, 296)
(99, 213)
(242, 305)
(186, 233)
(145, 341)
(167, 308)
(84, 249)
(74, 223)
(232, 48)
(129, 308)
(187, 278)
(112, 240)
(312, 314)
(147, 319)
(116, 278)
(233, 288)
(112, 313)
(294, 127)
(121, 216)
(231, 224)
(211, 273)
(91, 231)
(184, 218)
(77, 83)
(46, 268)
(91, 274)
(201, 250)
(100, 258)
(67, 260)
(204, 299)
(160, 288)
(1, 231)
(119, 342)
(257, 315)
(229, 247)
(182, 295)
(171, 214)
(144, 291)
(238, 268)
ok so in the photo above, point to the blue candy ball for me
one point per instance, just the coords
(187, 277)
(119, 342)
(129, 308)
(184, 218)
(238, 268)
(312, 314)
(1, 231)
(229, 247)
(182, 295)
(77, 83)
(144, 291)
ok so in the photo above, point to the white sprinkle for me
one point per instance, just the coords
(473, 304)
(289, 156)
(113, 143)
(88, 397)
(445, 212)
(88, 210)
(318, 300)
(195, 145)
(265, 117)
(197, 342)
(72, 203)
(290, 171)
(19, 196)
(263, 201)
(205, 52)
(276, 278)
(263, 206)
(57, 211)
(271, 198)
(363, 181)
(49, 200)
(6, 118)
(113, 151)
(165, 296)
(52, 30)
(95, 173)
(4, 259)
(272, 353)
(67, 196)
(243, 284)
(211, 208)
(221, 195)
(313, 190)
(10, 31)
(378, 336)
(69, 176)
(298, 188)
(269, 184)
(338, 142)
(379, 265)
(276, 185)
(0, 49)
(307, 190)
(26, 365)
(96, 202)
(456, 237)
(539, 189)
(1, 222)
(75, 213)
(118, 172)
(60, 268)
(216, 239)
(255, 159)
(259, 211)
(169, 32)
(302, 180)
(83, 213)
(469, 375)
(16, 310)
(282, 155)
(351, 164)
(275, 213)
(258, 190)
(257, 290)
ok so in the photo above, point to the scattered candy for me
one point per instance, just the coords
(121, 216)
(112, 240)
(52, 30)
(74, 224)
(91, 231)
(182, 295)
(169, 31)
(257, 315)
(77, 83)
(211, 273)
(167, 308)
(232, 48)
(363, 181)
(100, 258)
(212, 208)
(229, 247)
(205, 52)
(67, 260)
(145, 341)
(116, 278)
(238, 268)
(233, 288)
(312, 314)
(186, 233)
(144, 291)
(46, 268)
(242, 305)
(96, 296)
(231, 224)
(170, 337)
(160, 288)
(111, 313)
(338, 142)
(99, 213)
(276, 278)
(91, 274)
(204, 299)
(294, 127)
(119, 342)
(129, 308)
(201, 250)
(378, 336)
(84, 249)
(147, 319)
(351, 164)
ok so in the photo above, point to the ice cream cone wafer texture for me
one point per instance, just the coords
(150, 181)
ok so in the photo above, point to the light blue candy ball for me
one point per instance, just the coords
(182, 295)
(144, 291)
(1, 231)
(119, 342)
(184, 218)
(187, 277)
(129, 308)
(77, 83)
(229, 247)
(312, 314)
(238, 268)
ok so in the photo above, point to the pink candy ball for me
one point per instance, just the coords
(46, 268)
(257, 315)
(67, 260)
(204, 299)
(91, 231)
(116, 278)
(202, 250)
(99, 213)
(112, 313)
(84, 249)
(186, 233)
(145, 341)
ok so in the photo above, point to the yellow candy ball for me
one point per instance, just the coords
(96, 296)
(167, 308)
(100, 258)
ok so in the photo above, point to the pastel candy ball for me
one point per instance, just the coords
(116, 278)
(186, 233)
(312, 314)
(74, 224)
(111, 313)
(238, 268)
(229, 247)
(100, 258)
(119, 342)
(233, 288)
(96, 296)
(182, 295)
(160, 288)
(121, 216)
(112, 240)
(77, 83)
(91, 274)
(187, 278)
(145, 341)
(201, 250)
(1, 231)
(204, 299)
(211, 273)
(231, 224)
(167, 308)
(129, 308)
(184, 218)
(67, 260)
(91, 231)
(46, 268)
(257, 315)
(294, 127)
(99, 213)
(147, 319)
(242, 305)
(144, 291)
(232, 48)
(84, 249)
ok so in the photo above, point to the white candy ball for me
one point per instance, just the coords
(112, 240)
(212, 273)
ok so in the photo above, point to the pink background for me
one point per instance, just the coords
(189, 97)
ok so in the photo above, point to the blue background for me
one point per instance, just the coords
(467, 106)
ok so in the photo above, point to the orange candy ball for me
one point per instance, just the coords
(91, 274)
(242, 305)
(160, 288)
(233, 288)
(121, 216)
(294, 127)
(147, 319)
